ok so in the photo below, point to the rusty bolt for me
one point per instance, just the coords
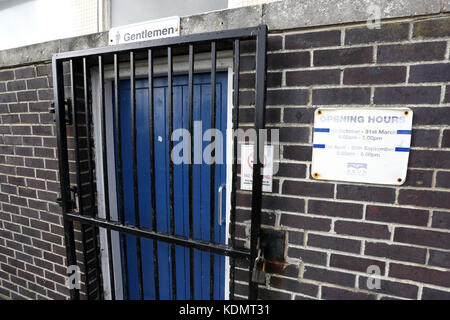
(406, 113)
(315, 175)
(319, 112)
(399, 180)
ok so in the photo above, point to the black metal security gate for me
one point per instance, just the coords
(73, 110)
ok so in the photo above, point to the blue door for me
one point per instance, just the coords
(201, 186)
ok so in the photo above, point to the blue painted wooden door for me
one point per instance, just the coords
(201, 184)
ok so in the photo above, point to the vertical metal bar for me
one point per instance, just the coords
(152, 167)
(88, 133)
(73, 93)
(69, 237)
(135, 173)
(91, 171)
(213, 165)
(234, 166)
(170, 119)
(260, 102)
(105, 174)
(120, 174)
(191, 177)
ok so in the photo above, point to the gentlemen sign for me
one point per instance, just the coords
(362, 145)
(144, 31)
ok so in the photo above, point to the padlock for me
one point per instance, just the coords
(259, 274)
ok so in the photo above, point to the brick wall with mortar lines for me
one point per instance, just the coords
(335, 230)
(32, 249)
(32, 260)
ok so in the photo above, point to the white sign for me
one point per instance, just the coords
(362, 145)
(247, 167)
(144, 31)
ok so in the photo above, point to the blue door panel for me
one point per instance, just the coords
(201, 186)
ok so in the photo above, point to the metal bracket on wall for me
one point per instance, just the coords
(273, 244)
(68, 111)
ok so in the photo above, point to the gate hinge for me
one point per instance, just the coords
(67, 110)
(59, 201)
(71, 203)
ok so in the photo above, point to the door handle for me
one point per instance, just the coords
(223, 186)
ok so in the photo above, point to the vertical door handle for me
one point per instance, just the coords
(223, 186)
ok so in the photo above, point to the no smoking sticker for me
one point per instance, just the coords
(247, 167)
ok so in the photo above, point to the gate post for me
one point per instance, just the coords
(260, 106)
(63, 171)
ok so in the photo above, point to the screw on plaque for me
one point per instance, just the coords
(259, 274)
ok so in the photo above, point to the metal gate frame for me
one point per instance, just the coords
(62, 115)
